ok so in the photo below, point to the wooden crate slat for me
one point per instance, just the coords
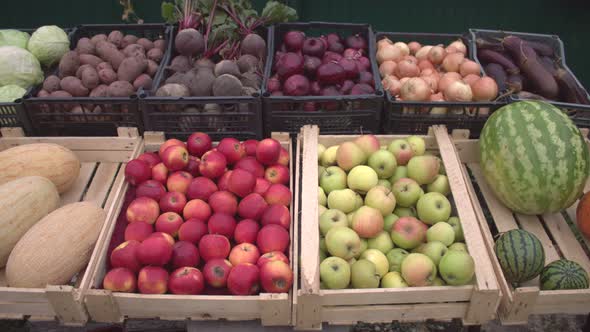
(104, 156)
(533, 224)
(295, 208)
(384, 140)
(101, 183)
(566, 240)
(25, 295)
(395, 296)
(67, 304)
(524, 299)
(77, 191)
(567, 301)
(39, 309)
(78, 143)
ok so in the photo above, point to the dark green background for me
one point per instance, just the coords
(569, 19)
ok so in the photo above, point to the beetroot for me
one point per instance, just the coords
(346, 87)
(362, 89)
(313, 47)
(367, 78)
(254, 45)
(289, 64)
(273, 84)
(311, 65)
(363, 63)
(296, 85)
(294, 40)
(352, 53)
(331, 73)
(350, 68)
(356, 41)
(309, 106)
(315, 88)
(330, 56)
(189, 42)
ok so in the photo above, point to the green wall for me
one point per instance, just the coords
(570, 19)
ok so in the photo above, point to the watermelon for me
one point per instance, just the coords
(563, 274)
(520, 255)
(533, 157)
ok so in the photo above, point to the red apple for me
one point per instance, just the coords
(120, 279)
(150, 188)
(198, 144)
(277, 174)
(213, 164)
(243, 279)
(175, 158)
(201, 188)
(223, 224)
(151, 158)
(138, 231)
(164, 236)
(272, 238)
(193, 166)
(216, 272)
(154, 250)
(152, 280)
(261, 186)
(272, 256)
(244, 253)
(268, 151)
(124, 255)
(232, 149)
(160, 173)
(192, 231)
(241, 182)
(184, 254)
(223, 182)
(173, 202)
(246, 231)
(252, 207)
(251, 165)
(250, 146)
(143, 209)
(169, 143)
(196, 208)
(169, 223)
(224, 202)
(278, 194)
(276, 277)
(283, 157)
(276, 214)
(179, 181)
(186, 281)
(137, 171)
(213, 246)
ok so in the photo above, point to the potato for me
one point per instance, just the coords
(128, 40)
(155, 54)
(99, 91)
(152, 68)
(115, 37)
(161, 45)
(109, 52)
(104, 65)
(68, 64)
(85, 46)
(74, 86)
(42, 94)
(97, 38)
(173, 90)
(81, 69)
(146, 43)
(135, 50)
(143, 81)
(51, 84)
(107, 76)
(90, 78)
(89, 59)
(131, 68)
(60, 94)
(120, 89)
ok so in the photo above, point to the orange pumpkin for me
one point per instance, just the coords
(583, 215)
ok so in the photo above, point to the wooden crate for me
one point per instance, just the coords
(107, 306)
(474, 304)
(101, 177)
(553, 231)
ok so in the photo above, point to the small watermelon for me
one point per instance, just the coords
(520, 254)
(564, 274)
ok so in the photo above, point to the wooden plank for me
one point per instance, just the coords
(566, 240)
(533, 224)
(102, 307)
(468, 150)
(101, 183)
(396, 295)
(524, 299)
(67, 304)
(127, 132)
(12, 132)
(274, 313)
(76, 192)
(309, 312)
(78, 143)
(104, 156)
(482, 307)
(22, 295)
(37, 309)
(563, 301)
(295, 212)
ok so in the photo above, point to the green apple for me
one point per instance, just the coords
(381, 242)
(323, 256)
(359, 202)
(362, 178)
(367, 222)
(383, 163)
(407, 192)
(321, 209)
(364, 246)
(364, 274)
(418, 270)
(378, 258)
(333, 178)
(408, 233)
(393, 280)
(442, 232)
(396, 257)
(388, 222)
(351, 261)
(321, 196)
(440, 185)
(342, 199)
(457, 268)
(321, 170)
(332, 218)
(459, 246)
(321, 149)
(423, 169)
(343, 242)
(381, 199)
(404, 211)
(417, 145)
(323, 244)
(419, 248)
(402, 151)
(456, 223)
(329, 156)
(335, 273)
(368, 143)
(435, 250)
(438, 282)
(384, 183)
(433, 207)
(349, 217)
(400, 172)
(350, 155)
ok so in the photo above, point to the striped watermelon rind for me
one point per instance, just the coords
(520, 255)
(564, 274)
(533, 157)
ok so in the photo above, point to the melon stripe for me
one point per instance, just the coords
(563, 274)
(520, 255)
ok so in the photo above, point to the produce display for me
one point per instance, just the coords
(385, 219)
(206, 220)
(415, 72)
(529, 69)
(533, 157)
(563, 274)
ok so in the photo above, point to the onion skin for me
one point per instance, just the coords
(446, 80)
(422, 53)
(485, 89)
(432, 82)
(470, 79)
(383, 42)
(425, 64)
(406, 68)
(411, 58)
(452, 62)
(437, 97)
(469, 67)
(415, 89)
(458, 91)
(460, 46)
(403, 47)
(387, 68)
(392, 85)
(414, 47)
(436, 55)
(390, 52)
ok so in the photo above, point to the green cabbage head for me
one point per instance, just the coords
(19, 67)
(10, 93)
(49, 43)
(11, 37)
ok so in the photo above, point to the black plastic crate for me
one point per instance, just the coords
(579, 113)
(407, 117)
(90, 116)
(334, 115)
